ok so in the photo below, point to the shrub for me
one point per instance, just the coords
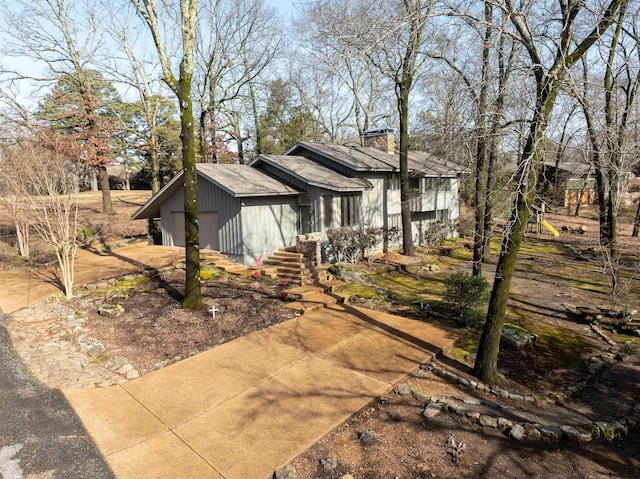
(350, 244)
(464, 294)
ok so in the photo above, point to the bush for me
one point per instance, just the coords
(350, 244)
(464, 294)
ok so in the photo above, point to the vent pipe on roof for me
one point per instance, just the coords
(380, 138)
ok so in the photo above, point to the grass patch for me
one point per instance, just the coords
(364, 292)
(411, 288)
(131, 283)
(557, 347)
(208, 274)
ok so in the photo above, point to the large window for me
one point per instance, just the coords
(350, 210)
(393, 182)
(437, 184)
(328, 211)
(414, 184)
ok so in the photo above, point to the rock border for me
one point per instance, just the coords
(518, 431)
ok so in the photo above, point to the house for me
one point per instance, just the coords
(249, 211)
(566, 182)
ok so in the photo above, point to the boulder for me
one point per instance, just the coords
(287, 472)
(518, 338)
(517, 432)
(110, 310)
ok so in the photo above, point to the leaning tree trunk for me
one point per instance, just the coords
(192, 293)
(636, 222)
(486, 365)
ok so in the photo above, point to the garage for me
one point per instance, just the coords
(208, 229)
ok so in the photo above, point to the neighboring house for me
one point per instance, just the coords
(566, 183)
(250, 211)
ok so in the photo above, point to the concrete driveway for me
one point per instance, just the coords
(247, 407)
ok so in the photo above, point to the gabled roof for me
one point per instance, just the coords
(312, 173)
(370, 159)
(574, 167)
(240, 181)
(243, 180)
(354, 158)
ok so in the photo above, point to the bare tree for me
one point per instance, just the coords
(180, 85)
(44, 182)
(238, 40)
(549, 71)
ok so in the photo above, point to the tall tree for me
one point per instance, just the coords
(180, 85)
(390, 36)
(61, 35)
(82, 106)
(549, 72)
(238, 40)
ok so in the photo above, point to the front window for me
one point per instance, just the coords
(350, 210)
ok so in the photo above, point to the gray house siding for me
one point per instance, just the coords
(210, 199)
(270, 224)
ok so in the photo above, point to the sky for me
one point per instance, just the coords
(285, 6)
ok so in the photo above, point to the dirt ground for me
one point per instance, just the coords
(410, 446)
(154, 330)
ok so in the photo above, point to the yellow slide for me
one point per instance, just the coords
(554, 231)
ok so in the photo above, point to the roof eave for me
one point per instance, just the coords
(138, 214)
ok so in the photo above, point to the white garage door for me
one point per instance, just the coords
(208, 229)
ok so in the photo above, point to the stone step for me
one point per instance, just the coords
(299, 271)
(287, 254)
(313, 302)
(293, 277)
(284, 263)
(306, 290)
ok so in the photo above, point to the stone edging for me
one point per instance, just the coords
(533, 431)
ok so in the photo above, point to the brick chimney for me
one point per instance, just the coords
(380, 138)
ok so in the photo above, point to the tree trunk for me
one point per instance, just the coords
(636, 222)
(487, 223)
(94, 179)
(403, 110)
(192, 293)
(486, 365)
(155, 170)
(481, 148)
(22, 237)
(107, 206)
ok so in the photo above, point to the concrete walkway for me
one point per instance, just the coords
(247, 407)
(23, 288)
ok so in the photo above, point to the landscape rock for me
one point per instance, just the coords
(549, 430)
(518, 338)
(504, 424)
(531, 431)
(473, 415)
(395, 415)
(111, 310)
(570, 432)
(367, 438)
(132, 374)
(420, 396)
(431, 410)
(403, 389)
(489, 421)
(125, 369)
(287, 472)
(329, 463)
(517, 432)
